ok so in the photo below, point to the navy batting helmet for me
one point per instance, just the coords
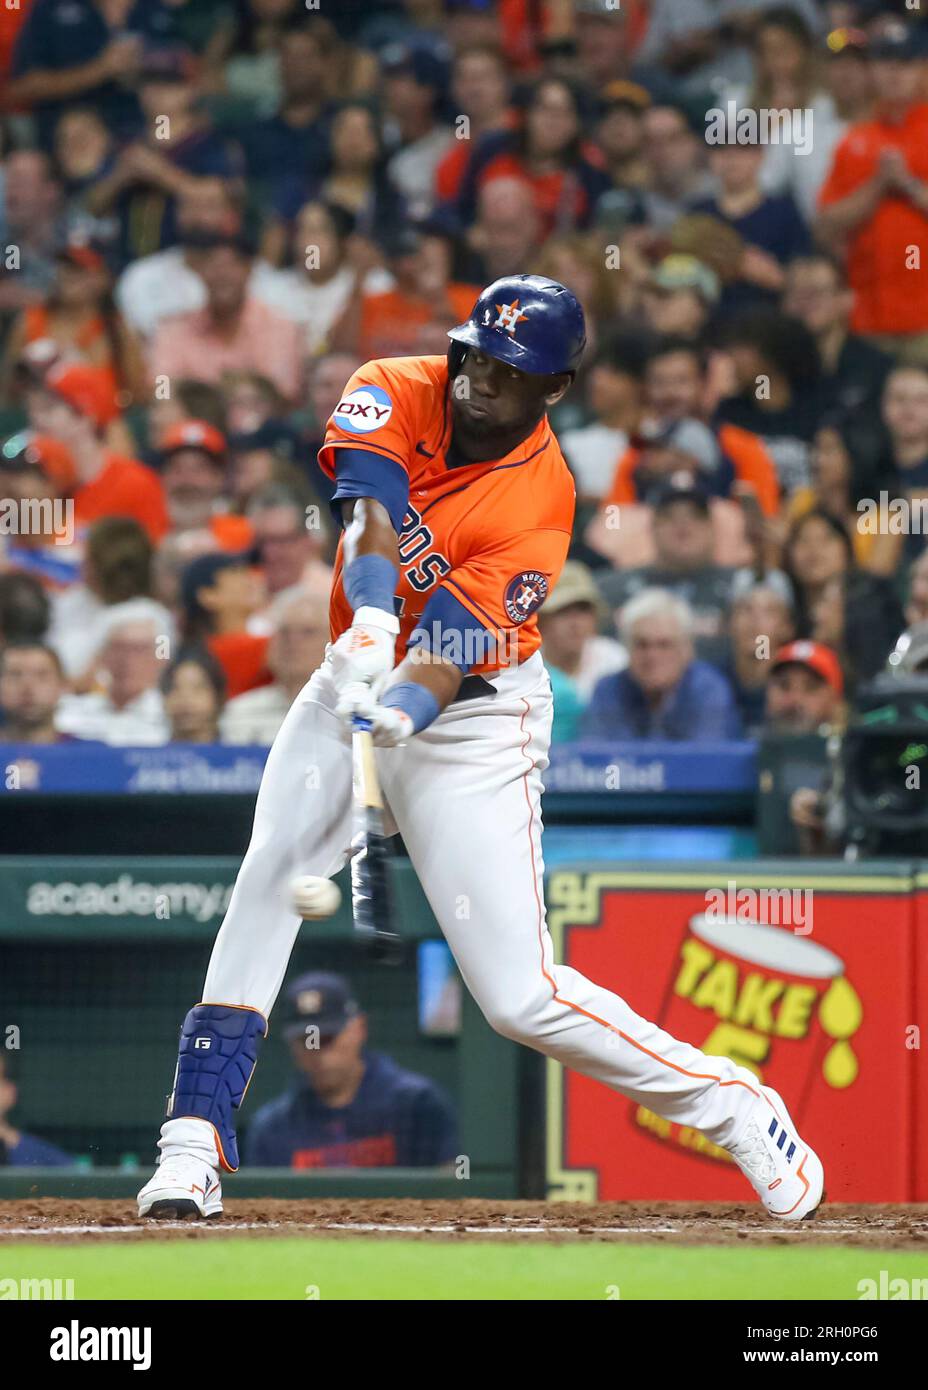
(530, 322)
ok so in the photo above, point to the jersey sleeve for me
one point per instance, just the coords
(368, 442)
(473, 619)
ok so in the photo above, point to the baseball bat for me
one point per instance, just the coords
(371, 904)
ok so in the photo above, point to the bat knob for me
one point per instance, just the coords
(386, 948)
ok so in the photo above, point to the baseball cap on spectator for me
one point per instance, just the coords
(623, 93)
(815, 656)
(681, 489)
(693, 438)
(318, 1000)
(87, 390)
(898, 42)
(576, 585)
(167, 63)
(426, 64)
(683, 272)
(30, 450)
(194, 434)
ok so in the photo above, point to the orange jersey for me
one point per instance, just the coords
(486, 540)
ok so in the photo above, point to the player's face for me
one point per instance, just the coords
(491, 401)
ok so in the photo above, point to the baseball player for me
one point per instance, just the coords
(457, 509)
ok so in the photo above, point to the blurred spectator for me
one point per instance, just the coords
(805, 690)
(684, 544)
(128, 708)
(664, 693)
(249, 401)
(917, 606)
(760, 623)
(220, 595)
(620, 135)
(80, 318)
(775, 388)
(30, 221)
(233, 332)
(677, 388)
(168, 282)
(176, 148)
(769, 224)
(243, 53)
(505, 235)
(24, 609)
(327, 378)
(788, 76)
(36, 473)
(847, 73)
(414, 77)
(679, 296)
(480, 90)
(74, 406)
(117, 566)
(575, 655)
(300, 633)
(349, 1107)
(704, 45)
(18, 1149)
(905, 411)
(857, 614)
(874, 205)
(92, 50)
(193, 690)
(31, 685)
(296, 137)
(194, 477)
(550, 154)
(614, 396)
(357, 183)
(603, 34)
(289, 549)
(853, 371)
(263, 456)
(845, 469)
(84, 153)
(388, 324)
(678, 176)
(322, 281)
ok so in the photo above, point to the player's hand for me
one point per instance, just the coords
(365, 653)
(389, 727)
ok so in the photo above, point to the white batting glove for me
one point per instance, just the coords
(389, 727)
(365, 653)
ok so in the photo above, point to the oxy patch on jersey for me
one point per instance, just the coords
(364, 409)
(525, 593)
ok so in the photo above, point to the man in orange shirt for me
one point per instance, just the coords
(457, 507)
(75, 405)
(875, 200)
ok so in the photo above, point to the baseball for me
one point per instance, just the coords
(314, 898)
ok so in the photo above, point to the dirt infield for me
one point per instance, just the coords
(876, 1227)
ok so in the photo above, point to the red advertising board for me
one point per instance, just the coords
(813, 992)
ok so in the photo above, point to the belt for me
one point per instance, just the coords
(473, 687)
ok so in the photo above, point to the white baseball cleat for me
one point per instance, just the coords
(784, 1172)
(182, 1186)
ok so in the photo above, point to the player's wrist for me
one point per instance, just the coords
(415, 701)
(377, 617)
(369, 581)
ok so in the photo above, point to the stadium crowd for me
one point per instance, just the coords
(213, 211)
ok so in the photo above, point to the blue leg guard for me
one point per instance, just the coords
(218, 1051)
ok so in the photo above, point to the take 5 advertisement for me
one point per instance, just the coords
(806, 977)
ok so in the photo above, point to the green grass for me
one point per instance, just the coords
(399, 1269)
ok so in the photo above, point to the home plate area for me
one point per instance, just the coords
(681, 1223)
